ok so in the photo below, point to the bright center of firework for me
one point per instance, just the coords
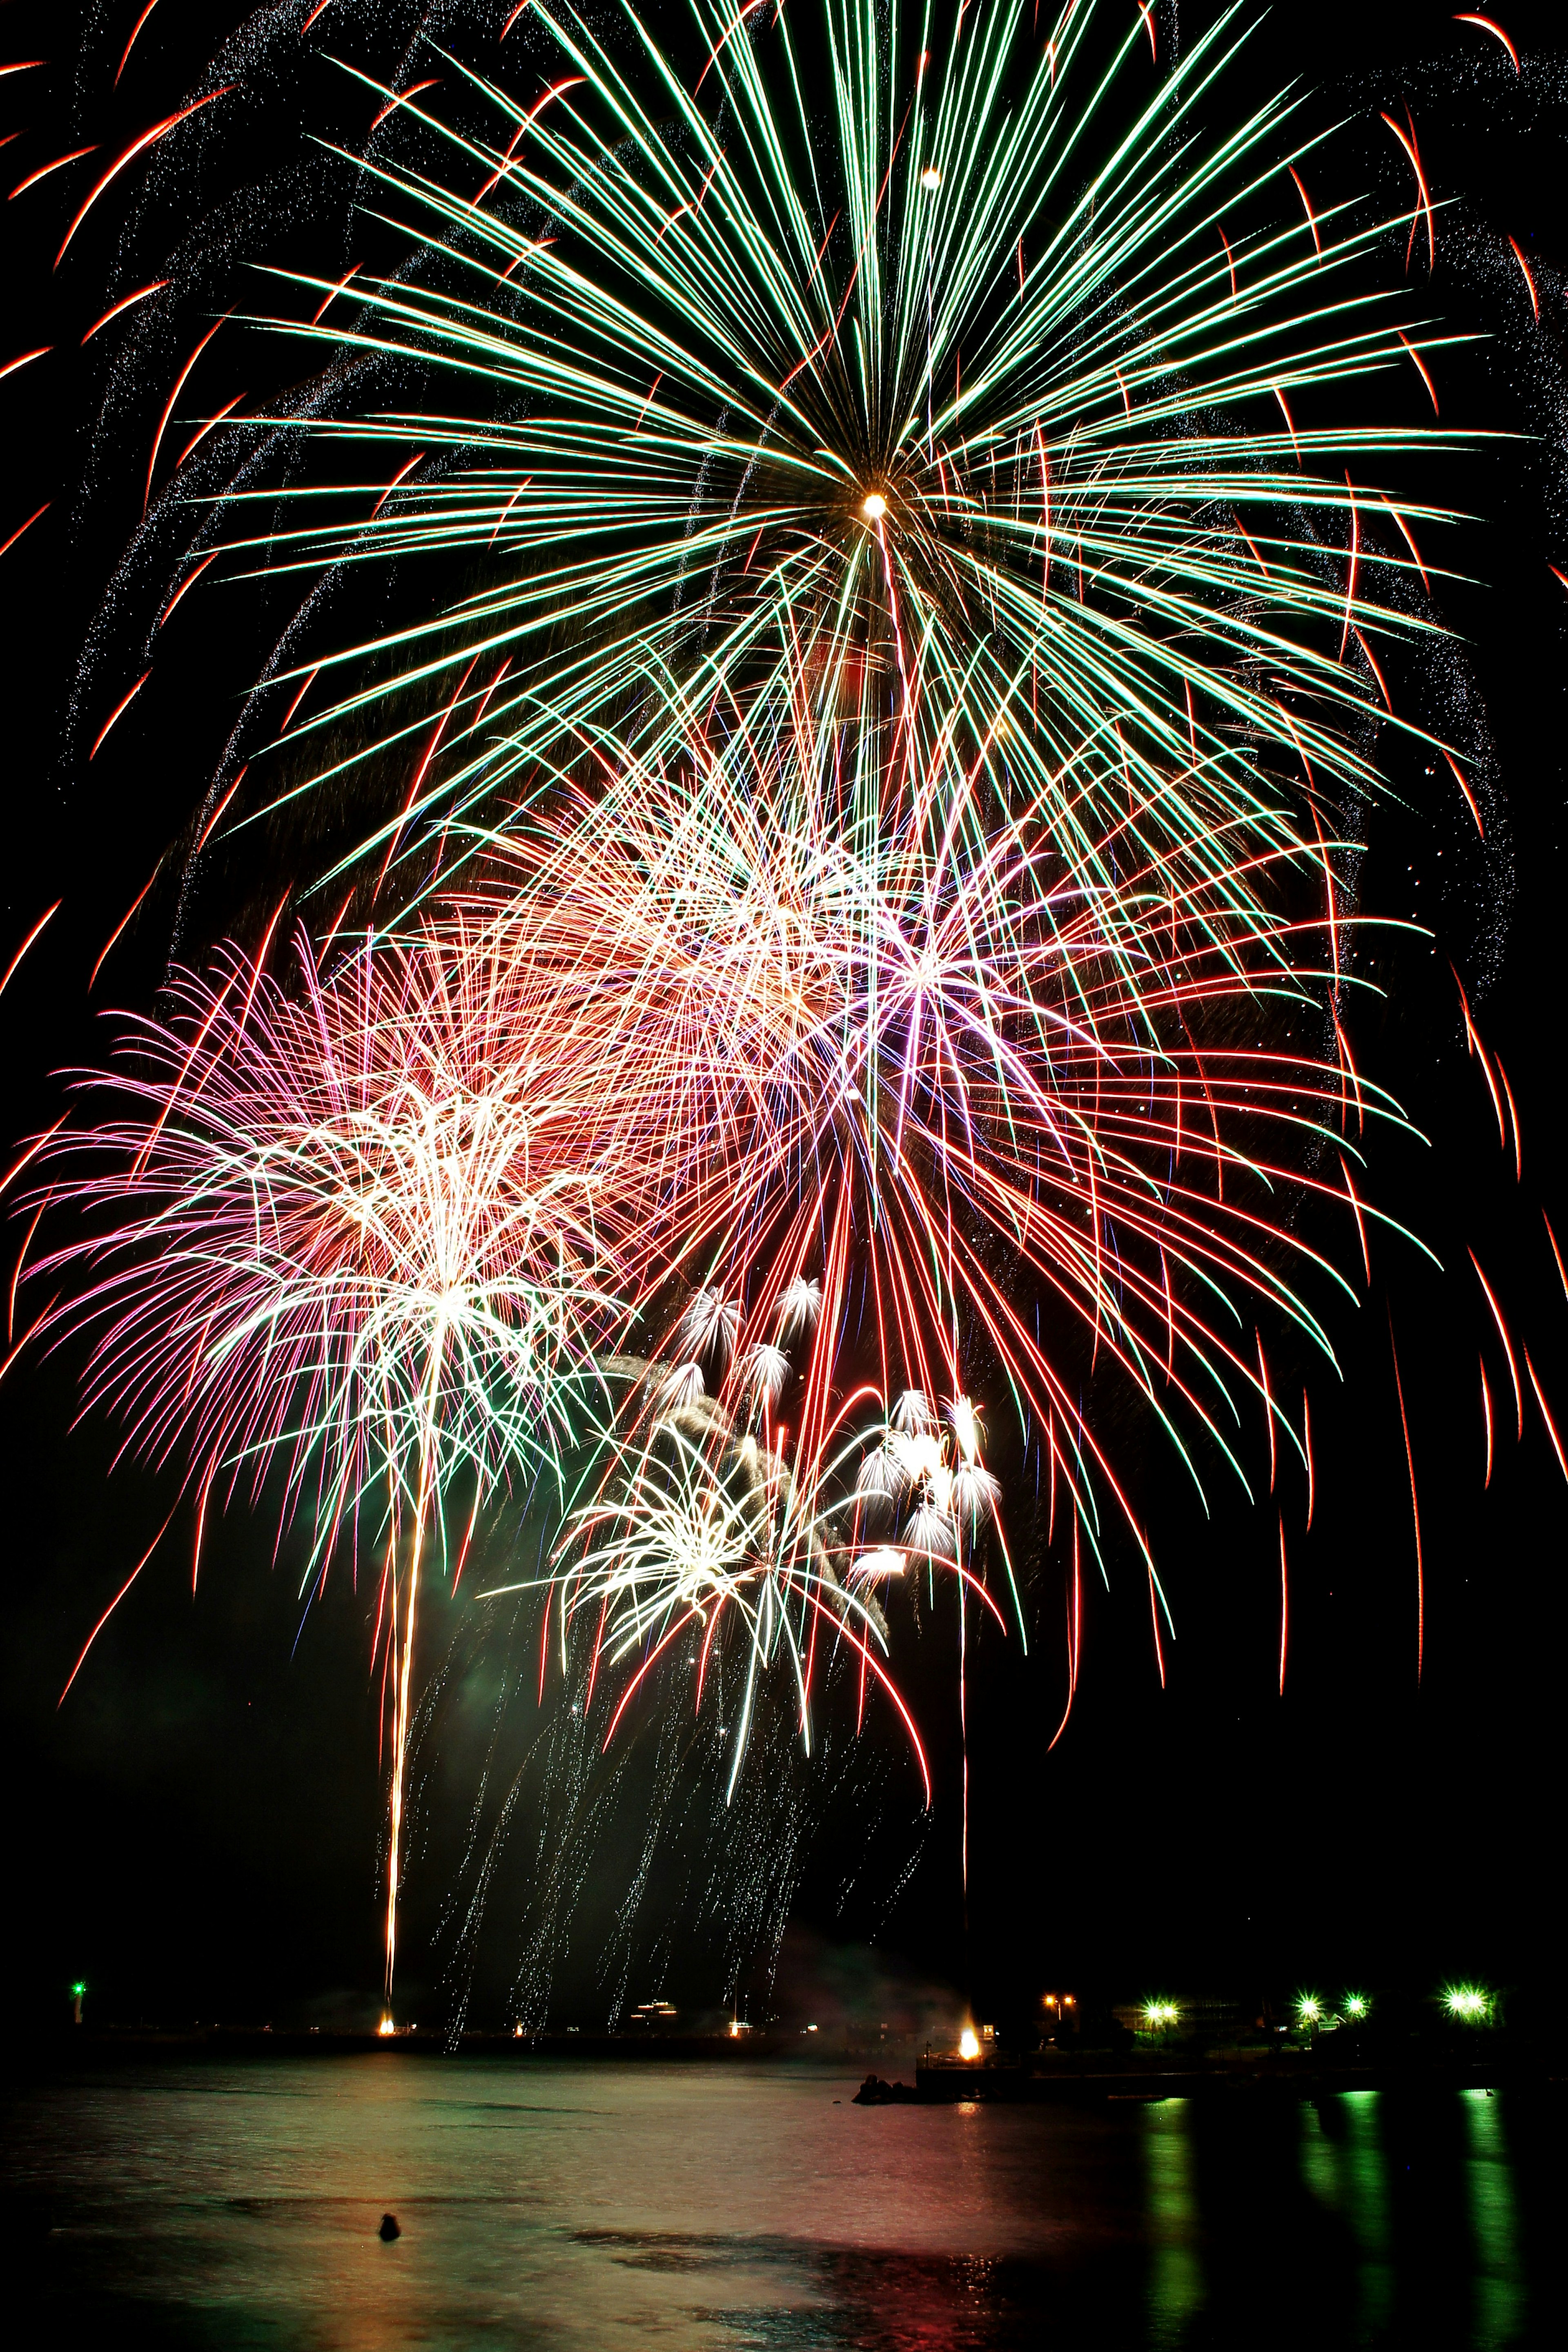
(873, 506)
(930, 178)
(386, 2026)
(968, 2043)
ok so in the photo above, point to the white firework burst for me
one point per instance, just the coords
(800, 1303)
(711, 1321)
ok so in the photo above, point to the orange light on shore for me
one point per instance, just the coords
(968, 2043)
(387, 2025)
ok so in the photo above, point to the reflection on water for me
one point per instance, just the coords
(234, 2209)
(1176, 2265)
(1499, 2312)
(1363, 2198)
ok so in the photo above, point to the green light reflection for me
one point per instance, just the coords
(1175, 2267)
(1364, 2172)
(1499, 2312)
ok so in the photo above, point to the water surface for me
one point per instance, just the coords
(232, 2208)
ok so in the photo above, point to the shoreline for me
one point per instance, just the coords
(1032, 2079)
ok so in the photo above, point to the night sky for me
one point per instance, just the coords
(196, 1831)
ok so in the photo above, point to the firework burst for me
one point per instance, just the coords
(922, 631)
(334, 1239)
(939, 1067)
(917, 402)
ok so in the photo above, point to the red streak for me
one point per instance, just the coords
(332, 297)
(396, 479)
(1469, 796)
(1562, 1271)
(113, 1606)
(1546, 1416)
(1502, 1335)
(21, 527)
(402, 98)
(1486, 26)
(1154, 1620)
(125, 303)
(1425, 203)
(130, 44)
(25, 357)
(1421, 366)
(207, 828)
(201, 1522)
(199, 437)
(1360, 1221)
(1376, 669)
(131, 154)
(856, 1642)
(1513, 1116)
(1529, 278)
(680, 1625)
(188, 582)
(27, 942)
(1307, 207)
(749, 10)
(1414, 1507)
(179, 387)
(1230, 259)
(1354, 566)
(119, 710)
(124, 918)
(45, 169)
(298, 699)
(1403, 530)
(16, 1274)
(1268, 1407)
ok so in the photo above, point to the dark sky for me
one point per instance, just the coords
(196, 1831)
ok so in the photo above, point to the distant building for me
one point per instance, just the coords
(1204, 2019)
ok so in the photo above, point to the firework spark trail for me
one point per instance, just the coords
(339, 1234)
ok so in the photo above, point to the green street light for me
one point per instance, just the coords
(1356, 2005)
(1309, 2010)
(1469, 2003)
